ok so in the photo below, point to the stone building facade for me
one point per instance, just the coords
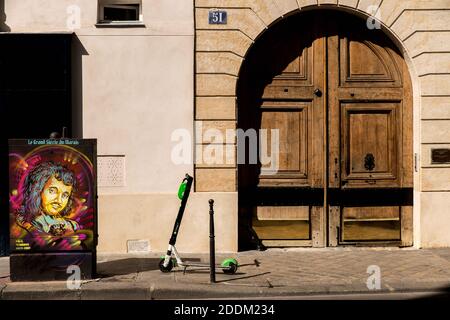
(135, 85)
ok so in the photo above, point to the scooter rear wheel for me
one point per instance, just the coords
(165, 269)
(232, 268)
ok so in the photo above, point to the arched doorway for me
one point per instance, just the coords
(339, 95)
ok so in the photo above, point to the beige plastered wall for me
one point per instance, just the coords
(135, 87)
(421, 29)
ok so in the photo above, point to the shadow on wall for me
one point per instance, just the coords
(3, 26)
(78, 51)
(37, 71)
(4, 233)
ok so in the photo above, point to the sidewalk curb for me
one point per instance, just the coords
(133, 291)
(313, 274)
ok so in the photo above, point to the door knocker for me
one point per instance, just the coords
(369, 162)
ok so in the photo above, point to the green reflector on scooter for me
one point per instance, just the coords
(181, 190)
(228, 262)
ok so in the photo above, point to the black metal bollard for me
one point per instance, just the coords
(212, 255)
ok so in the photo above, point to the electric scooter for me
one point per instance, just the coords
(172, 258)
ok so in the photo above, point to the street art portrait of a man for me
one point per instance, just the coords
(52, 200)
(48, 198)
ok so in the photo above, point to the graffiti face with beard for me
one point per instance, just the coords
(48, 198)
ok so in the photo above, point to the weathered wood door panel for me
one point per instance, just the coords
(339, 98)
(370, 137)
(370, 134)
(291, 121)
(371, 223)
(287, 203)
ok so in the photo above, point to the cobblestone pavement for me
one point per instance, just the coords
(274, 272)
(337, 267)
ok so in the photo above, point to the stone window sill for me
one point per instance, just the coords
(120, 24)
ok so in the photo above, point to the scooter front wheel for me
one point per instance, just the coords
(165, 269)
(229, 266)
(232, 268)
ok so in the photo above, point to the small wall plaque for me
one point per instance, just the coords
(440, 156)
(111, 170)
(138, 246)
(217, 17)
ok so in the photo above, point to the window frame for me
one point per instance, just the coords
(119, 4)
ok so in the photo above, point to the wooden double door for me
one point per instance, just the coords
(335, 100)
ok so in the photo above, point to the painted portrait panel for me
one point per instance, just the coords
(52, 193)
